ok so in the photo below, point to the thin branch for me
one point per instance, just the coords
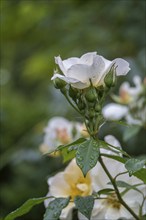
(117, 190)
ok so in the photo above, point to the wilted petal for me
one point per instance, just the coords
(114, 111)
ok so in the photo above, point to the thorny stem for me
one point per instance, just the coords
(117, 190)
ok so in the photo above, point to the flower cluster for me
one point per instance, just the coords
(85, 83)
(131, 103)
(71, 182)
(61, 131)
(98, 181)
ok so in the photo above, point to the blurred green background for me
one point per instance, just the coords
(32, 33)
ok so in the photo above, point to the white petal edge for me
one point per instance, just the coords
(88, 58)
(122, 66)
(59, 62)
(114, 111)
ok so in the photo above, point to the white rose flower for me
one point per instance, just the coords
(131, 104)
(71, 182)
(60, 131)
(114, 111)
(110, 208)
(91, 67)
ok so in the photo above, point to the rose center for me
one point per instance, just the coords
(80, 187)
(62, 135)
(113, 201)
(125, 97)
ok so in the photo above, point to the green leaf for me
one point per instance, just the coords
(115, 157)
(123, 184)
(120, 123)
(115, 149)
(133, 165)
(77, 142)
(68, 154)
(25, 208)
(55, 207)
(68, 151)
(130, 132)
(84, 205)
(141, 174)
(87, 155)
(105, 191)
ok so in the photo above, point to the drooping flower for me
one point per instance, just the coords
(60, 131)
(91, 67)
(130, 105)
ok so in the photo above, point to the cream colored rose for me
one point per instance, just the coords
(71, 183)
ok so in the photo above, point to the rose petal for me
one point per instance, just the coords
(97, 70)
(59, 61)
(58, 186)
(110, 139)
(88, 58)
(66, 79)
(80, 72)
(114, 111)
(80, 85)
(69, 62)
(66, 213)
(112, 213)
(74, 82)
(122, 66)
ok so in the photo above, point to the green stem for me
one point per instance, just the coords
(117, 190)
(71, 102)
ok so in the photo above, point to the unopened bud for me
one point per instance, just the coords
(73, 92)
(91, 113)
(81, 105)
(97, 107)
(109, 79)
(59, 83)
(91, 94)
